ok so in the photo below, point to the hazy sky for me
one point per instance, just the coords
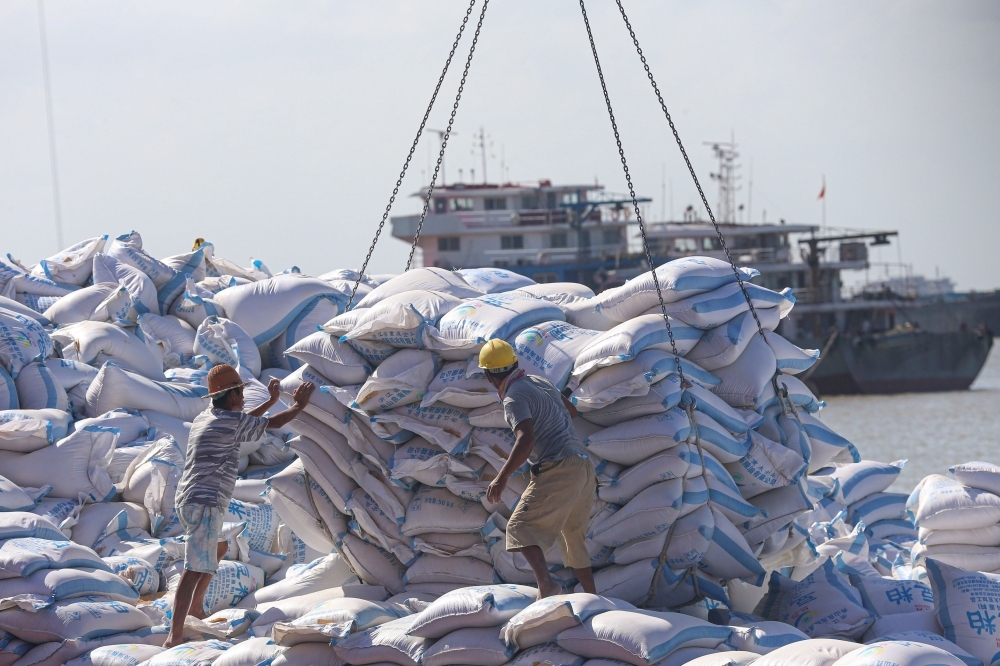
(277, 129)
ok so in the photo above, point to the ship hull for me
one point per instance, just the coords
(917, 361)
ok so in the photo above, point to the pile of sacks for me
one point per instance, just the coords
(360, 532)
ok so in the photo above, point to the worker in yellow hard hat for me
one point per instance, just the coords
(555, 507)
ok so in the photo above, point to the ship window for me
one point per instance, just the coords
(612, 236)
(570, 198)
(497, 203)
(550, 200)
(462, 203)
(440, 205)
(529, 202)
(512, 242)
(558, 239)
(449, 243)
(709, 243)
(685, 245)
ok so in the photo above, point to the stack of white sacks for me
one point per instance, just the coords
(360, 533)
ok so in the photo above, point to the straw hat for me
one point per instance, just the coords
(222, 378)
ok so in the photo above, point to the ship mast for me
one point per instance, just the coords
(726, 152)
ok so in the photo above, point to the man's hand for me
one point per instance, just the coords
(302, 393)
(496, 489)
(274, 389)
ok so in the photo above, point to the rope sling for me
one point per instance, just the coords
(694, 436)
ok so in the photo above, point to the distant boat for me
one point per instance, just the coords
(581, 233)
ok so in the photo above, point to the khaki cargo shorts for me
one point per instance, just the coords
(555, 508)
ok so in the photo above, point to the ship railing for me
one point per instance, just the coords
(477, 219)
(553, 256)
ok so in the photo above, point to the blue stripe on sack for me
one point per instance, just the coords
(824, 434)
(12, 400)
(853, 481)
(678, 640)
(275, 331)
(51, 397)
(741, 507)
(745, 559)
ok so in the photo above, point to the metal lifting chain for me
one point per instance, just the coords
(447, 133)
(635, 202)
(409, 156)
(694, 176)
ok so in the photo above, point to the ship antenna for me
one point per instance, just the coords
(53, 163)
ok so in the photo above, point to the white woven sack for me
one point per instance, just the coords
(74, 265)
(84, 617)
(857, 481)
(22, 340)
(76, 465)
(323, 471)
(689, 542)
(24, 556)
(311, 516)
(37, 388)
(763, 636)
(978, 536)
(292, 606)
(813, 652)
(736, 658)
(81, 305)
(709, 310)
(630, 442)
(900, 652)
(93, 520)
(333, 621)
(461, 571)
(195, 304)
(469, 645)
(174, 336)
(634, 377)
(115, 387)
(325, 574)
(581, 311)
(197, 653)
(21, 524)
(126, 654)
(26, 430)
(224, 341)
(387, 642)
(401, 319)
(743, 380)
(484, 606)
(546, 654)
(673, 463)
(95, 342)
(15, 498)
(333, 359)
(71, 374)
(723, 344)
(678, 279)
(648, 513)
(640, 637)
(127, 249)
(420, 461)
(981, 475)
(251, 652)
(372, 564)
(964, 556)
(766, 466)
(946, 504)
(494, 280)
(461, 332)
(438, 510)
(143, 575)
(266, 308)
(544, 619)
(550, 349)
(399, 380)
(663, 396)
(8, 391)
(932, 638)
(136, 293)
(421, 279)
(623, 342)
(444, 425)
(451, 386)
(310, 319)
(45, 586)
(262, 523)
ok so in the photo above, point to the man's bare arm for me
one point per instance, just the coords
(523, 443)
(301, 398)
(570, 407)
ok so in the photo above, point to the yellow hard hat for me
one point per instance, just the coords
(497, 356)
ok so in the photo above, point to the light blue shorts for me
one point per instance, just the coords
(202, 527)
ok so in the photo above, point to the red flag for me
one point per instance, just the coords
(822, 192)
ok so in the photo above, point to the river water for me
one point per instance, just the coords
(932, 430)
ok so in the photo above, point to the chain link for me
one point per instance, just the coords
(635, 203)
(447, 134)
(409, 156)
(687, 161)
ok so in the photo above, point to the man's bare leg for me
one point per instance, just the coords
(586, 578)
(190, 580)
(198, 600)
(536, 560)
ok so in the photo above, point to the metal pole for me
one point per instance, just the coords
(51, 125)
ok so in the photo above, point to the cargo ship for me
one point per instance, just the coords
(872, 342)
